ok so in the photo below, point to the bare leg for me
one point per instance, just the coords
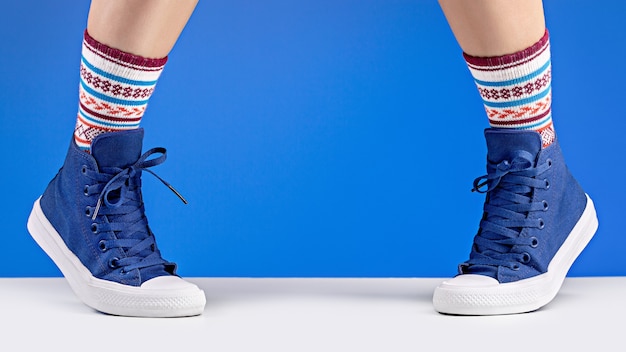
(494, 27)
(147, 28)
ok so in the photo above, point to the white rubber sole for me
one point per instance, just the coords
(168, 296)
(481, 295)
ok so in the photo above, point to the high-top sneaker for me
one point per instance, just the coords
(91, 222)
(536, 221)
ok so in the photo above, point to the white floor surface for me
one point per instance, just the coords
(313, 315)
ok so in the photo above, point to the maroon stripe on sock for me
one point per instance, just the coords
(91, 125)
(101, 128)
(121, 63)
(517, 58)
(108, 117)
(498, 67)
(124, 56)
(517, 122)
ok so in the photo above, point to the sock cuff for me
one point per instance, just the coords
(114, 90)
(516, 88)
(122, 56)
(505, 60)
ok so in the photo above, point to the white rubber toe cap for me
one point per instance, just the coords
(168, 283)
(471, 280)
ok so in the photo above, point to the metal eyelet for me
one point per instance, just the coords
(549, 161)
(545, 205)
(83, 170)
(113, 262)
(88, 212)
(86, 190)
(542, 224)
(534, 242)
(525, 258)
(515, 267)
(547, 183)
(94, 227)
(102, 245)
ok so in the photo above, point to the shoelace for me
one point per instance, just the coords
(510, 186)
(121, 210)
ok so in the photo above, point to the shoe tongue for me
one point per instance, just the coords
(117, 149)
(484, 270)
(502, 143)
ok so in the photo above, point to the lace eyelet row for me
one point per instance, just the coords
(129, 185)
(549, 162)
(114, 264)
(525, 259)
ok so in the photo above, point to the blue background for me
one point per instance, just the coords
(313, 138)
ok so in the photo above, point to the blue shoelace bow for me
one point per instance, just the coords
(509, 187)
(121, 210)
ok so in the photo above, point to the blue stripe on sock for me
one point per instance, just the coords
(514, 81)
(116, 78)
(513, 103)
(110, 99)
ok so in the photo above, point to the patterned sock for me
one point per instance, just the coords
(516, 88)
(114, 90)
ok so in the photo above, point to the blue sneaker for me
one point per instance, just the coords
(536, 221)
(91, 222)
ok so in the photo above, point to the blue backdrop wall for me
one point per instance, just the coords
(313, 138)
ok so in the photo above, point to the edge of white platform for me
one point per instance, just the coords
(313, 314)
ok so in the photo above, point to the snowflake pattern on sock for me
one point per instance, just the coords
(114, 90)
(517, 89)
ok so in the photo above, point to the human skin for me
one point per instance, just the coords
(485, 28)
(147, 28)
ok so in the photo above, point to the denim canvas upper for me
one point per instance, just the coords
(95, 204)
(532, 203)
